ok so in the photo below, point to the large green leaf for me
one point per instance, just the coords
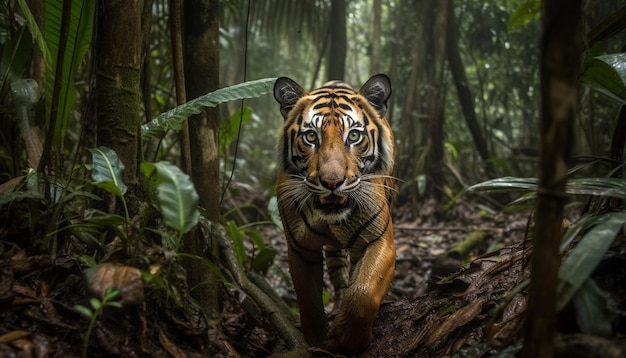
(107, 170)
(608, 187)
(176, 194)
(78, 41)
(607, 74)
(593, 309)
(32, 24)
(586, 255)
(174, 118)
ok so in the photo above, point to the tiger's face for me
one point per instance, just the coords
(336, 148)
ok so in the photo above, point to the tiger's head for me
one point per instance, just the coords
(336, 148)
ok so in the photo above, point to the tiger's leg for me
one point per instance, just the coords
(337, 266)
(307, 270)
(351, 330)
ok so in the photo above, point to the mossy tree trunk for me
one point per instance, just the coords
(118, 71)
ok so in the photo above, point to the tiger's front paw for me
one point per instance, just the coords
(349, 336)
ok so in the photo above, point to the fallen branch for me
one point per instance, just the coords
(461, 249)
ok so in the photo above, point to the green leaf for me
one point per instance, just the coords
(34, 29)
(593, 314)
(606, 74)
(84, 311)
(95, 303)
(6, 198)
(107, 170)
(236, 237)
(505, 184)
(272, 208)
(608, 187)
(78, 42)
(586, 255)
(176, 195)
(174, 118)
(529, 10)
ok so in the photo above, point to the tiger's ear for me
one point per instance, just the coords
(287, 92)
(377, 90)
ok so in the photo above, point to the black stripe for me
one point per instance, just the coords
(308, 225)
(296, 248)
(379, 236)
(362, 228)
(345, 106)
(322, 105)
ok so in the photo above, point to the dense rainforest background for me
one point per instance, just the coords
(137, 168)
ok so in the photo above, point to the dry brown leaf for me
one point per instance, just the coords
(126, 279)
(13, 335)
(457, 319)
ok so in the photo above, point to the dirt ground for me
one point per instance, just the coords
(446, 300)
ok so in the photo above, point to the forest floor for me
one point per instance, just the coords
(442, 302)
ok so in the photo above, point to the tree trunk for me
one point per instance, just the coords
(118, 72)
(560, 63)
(338, 41)
(466, 100)
(201, 45)
(409, 134)
(435, 140)
(375, 38)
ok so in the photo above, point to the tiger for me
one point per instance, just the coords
(334, 190)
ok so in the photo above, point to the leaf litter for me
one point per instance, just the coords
(439, 305)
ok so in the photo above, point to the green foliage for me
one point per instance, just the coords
(259, 261)
(107, 174)
(93, 313)
(174, 118)
(529, 10)
(587, 254)
(32, 24)
(230, 130)
(272, 208)
(107, 171)
(177, 197)
(606, 74)
(79, 35)
(595, 309)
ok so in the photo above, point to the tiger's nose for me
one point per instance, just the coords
(332, 182)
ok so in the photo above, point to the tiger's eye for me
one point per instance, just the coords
(310, 137)
(354, 136)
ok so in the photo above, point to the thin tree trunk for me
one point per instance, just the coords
(176, 39)
(560, 54)
(338, 41)
(435, 141)
(408, 134)
(118, 72)
(375, 38)
(201, 44)
(462, 88)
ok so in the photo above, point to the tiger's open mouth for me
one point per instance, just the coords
(332, 203)
(333, 199)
